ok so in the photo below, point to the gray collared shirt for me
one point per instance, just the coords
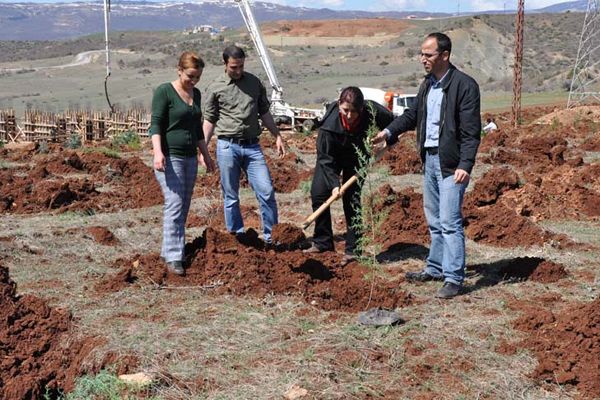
(434, 108)
(234, 106)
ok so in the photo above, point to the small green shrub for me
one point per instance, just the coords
(127, 138)
(305, 186)
(554, 124)
(43, 147)
(73, 141)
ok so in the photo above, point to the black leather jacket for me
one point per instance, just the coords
(460, 126)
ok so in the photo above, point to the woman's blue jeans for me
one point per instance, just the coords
(177, 183)
(442, 201)
(232, 158)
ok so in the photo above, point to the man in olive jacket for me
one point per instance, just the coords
(448, 123)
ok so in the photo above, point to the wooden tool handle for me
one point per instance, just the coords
(311, 218)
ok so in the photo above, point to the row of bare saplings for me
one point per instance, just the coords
(37, 126)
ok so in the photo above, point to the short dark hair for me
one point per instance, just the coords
(233, 51)
(443, 42)
(354, 96)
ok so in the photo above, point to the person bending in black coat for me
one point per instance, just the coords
(341, 136)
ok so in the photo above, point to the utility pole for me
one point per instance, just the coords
(585, 83)
(517, 68)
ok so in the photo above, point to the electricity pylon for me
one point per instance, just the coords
(585, 84)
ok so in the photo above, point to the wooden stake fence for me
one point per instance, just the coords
(39, 126)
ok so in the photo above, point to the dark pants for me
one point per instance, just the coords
(320, 191)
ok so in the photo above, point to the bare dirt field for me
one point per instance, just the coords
(362, 32)
(85, 294)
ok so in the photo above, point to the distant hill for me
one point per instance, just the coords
(573, 6)
(51, 21)
(37, 21)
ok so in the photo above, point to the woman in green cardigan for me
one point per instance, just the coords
(176, 132)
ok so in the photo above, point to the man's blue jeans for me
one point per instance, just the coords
(442, 201)
(232, 158)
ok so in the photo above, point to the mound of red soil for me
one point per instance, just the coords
(286, 175)
(571, 116)
(592, 143)
(405, 222)
(566, 344)
(549, 193)
(62, 163)
(23, 194)
(497, 138)
(288, 236)
(299, 142)
(239, 265)
(36, 349)
(102, 235)
(288, 172)
(491, 221)
(136, 186)
(132, 185)
(213, 217)
(403, 157)
(494, 183)
(539, 150)
(493, 224)
(535, 269)
(499, 225)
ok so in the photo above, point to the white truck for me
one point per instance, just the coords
(394, 102)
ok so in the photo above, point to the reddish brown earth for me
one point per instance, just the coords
(535, 269)
(286, 174)
(242, 266)
(102, 235)
(130, 182)
(37, 349)
(566, 344)
(338, 27)
(493, 224)
(592, 143)
(405, 222)
(494, 183)
(403, 157)
(535, 172)
(288, 236)
(214, 217)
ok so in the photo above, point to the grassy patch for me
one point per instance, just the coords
(112, 153)
(129, 138)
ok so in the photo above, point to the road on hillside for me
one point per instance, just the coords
(83, 58)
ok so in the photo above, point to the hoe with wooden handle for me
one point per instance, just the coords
(311, 218)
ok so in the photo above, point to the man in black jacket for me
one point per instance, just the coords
(448, 124)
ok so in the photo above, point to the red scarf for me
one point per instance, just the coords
(350, 126)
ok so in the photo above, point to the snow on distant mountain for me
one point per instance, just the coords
(47, 21)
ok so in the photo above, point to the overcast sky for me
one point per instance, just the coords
(447, 6)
